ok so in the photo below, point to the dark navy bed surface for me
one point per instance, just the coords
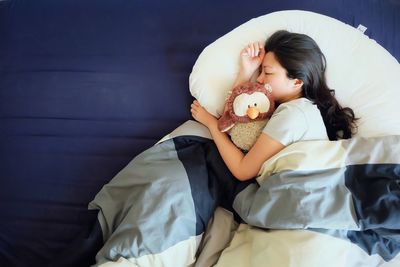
(87, 85)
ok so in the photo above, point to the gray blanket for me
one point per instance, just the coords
(158, 206)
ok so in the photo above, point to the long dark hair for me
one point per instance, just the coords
(300, 55)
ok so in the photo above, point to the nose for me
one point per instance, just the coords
(260, 78)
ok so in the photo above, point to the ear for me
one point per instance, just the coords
(297, 84)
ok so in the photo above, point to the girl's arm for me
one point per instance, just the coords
(242, 166)
(251, 58)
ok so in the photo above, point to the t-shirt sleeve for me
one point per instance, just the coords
(287, 125)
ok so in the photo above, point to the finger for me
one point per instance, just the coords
(261, 45)
(262, 53)
(248, 49)
(256, 49)
(253, 50)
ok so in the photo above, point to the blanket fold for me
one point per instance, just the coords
(160, 203)
(351, 185)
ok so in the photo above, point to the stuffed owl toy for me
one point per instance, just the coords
(247, 110)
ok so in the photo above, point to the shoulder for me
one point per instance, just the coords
(300, 104)
(301, 109)
(293, 110)
(292, 121)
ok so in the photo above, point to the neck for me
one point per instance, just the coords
(290, 98)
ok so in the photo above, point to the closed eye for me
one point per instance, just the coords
(267, 73)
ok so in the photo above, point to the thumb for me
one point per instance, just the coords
(262, 53)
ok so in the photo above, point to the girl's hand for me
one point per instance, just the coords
(251, 58)
(201, 115)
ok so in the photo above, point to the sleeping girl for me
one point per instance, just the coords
(294, 66)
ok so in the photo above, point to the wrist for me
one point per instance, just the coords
(242, 77)
(212, 124)
(245, 75)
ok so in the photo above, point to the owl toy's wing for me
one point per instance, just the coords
(225, 123)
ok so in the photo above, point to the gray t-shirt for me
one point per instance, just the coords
(296, 120)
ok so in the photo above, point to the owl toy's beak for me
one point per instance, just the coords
(252, 113)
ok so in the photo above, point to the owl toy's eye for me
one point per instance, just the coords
(248, 106)
(255, 104)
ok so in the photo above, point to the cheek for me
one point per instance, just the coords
(274, 84)
(267, 79)
(277, 88)
(279, 83)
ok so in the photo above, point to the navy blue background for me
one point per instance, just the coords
(87, 85)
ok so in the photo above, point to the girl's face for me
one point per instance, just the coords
(283, 88)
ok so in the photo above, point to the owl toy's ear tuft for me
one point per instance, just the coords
(268, 87)
(225, 123)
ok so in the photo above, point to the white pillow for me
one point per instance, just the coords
(363, 74)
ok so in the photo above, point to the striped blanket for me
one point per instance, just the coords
(154, 212)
